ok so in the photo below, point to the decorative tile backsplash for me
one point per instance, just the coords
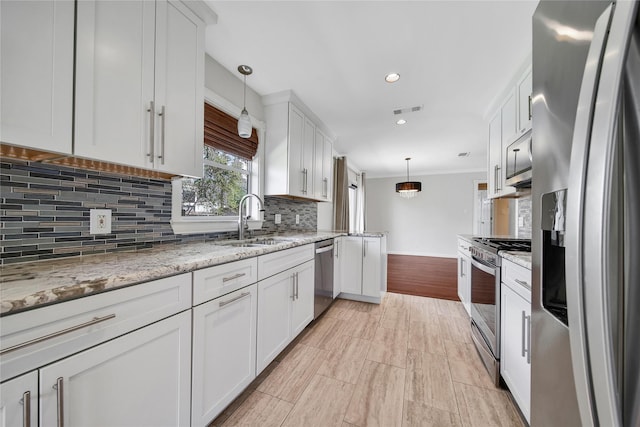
(45, 212)
(524, 217)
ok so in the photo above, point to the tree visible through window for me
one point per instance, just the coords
(225, 180)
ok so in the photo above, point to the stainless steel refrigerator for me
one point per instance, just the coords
(586, 214)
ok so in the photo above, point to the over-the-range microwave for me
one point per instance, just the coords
(519, 158)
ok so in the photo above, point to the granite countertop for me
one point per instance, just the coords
(29, 285)
(520, 258)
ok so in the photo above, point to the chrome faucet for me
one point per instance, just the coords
(242, 220)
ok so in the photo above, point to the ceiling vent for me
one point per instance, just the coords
(464, 154)
(408, 110)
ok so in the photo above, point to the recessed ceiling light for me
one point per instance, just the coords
(392, 77)
(401, 122)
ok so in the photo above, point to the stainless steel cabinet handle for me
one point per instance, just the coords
(26, 409)
(59, 388)
(242, 295)
(528, 318)
(337, 249)
(523, 283)
(293, 286)
(325, 187)
(162, 117)
(152, 129)
(498, 180)
(235, 276)
(530, 107)
(57, 334)
(304, 180)
(495, 179)
(297, 285)
(524, 350)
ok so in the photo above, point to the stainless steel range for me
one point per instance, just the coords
(485, 297)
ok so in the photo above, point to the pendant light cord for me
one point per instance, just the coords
(244, 97)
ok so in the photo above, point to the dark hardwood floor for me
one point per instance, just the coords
(424, 276)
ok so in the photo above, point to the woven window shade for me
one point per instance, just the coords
(221, 132)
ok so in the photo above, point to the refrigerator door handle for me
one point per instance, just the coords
(574, 223)
(590, 270)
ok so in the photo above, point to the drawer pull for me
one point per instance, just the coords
(26, 409)
(522, 283)
(242, 295)
(58, 333)
(235, 276)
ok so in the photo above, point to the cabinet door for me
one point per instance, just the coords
(327, 169)
(337, 266)
(114, 81)
(515, 363)
(308, 148)
(302, 305)
(224, 349)
(509, 119)
(351, 265)
(140, 379)
(495, 155)
(14, 395)
(36, 44)
(179, 89)
(295, 148)
(464, 281)
(275, 295)
(524, 102)
(371, 267)
(318, 175)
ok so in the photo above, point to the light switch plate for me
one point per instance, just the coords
(100, 221)
(278, 218)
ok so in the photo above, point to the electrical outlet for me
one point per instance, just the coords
(100, 221)
(297, 219)
(278, 218)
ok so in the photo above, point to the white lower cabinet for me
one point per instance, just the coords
(139, 379)
(363, 267)
(224, 352)
(285, 303)
(464, 274)
(19, 401)
(515, 350)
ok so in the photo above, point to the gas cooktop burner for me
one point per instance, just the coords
(497, 244)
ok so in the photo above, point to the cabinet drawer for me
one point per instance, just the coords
(463, 246)
(50, 333)
(275, 262)
(517, 278)
(212, 282)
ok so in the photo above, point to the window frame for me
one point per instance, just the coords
(210, 223)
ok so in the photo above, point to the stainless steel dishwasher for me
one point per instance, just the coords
(324, 277)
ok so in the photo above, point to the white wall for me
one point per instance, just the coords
(426, 225)
(230, 86)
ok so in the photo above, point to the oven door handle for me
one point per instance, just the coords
(483, 267)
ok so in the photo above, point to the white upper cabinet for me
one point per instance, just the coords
(296, 151)
(494, 155)
(323, 167)
(36, 77)
(507, 123)
(139, 85)
(524, 102)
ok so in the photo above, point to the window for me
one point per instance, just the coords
(226, 178)
(230, 166)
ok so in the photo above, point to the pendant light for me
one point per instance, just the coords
(244, 122)
(408, 189)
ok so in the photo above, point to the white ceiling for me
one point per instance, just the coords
(453, 57)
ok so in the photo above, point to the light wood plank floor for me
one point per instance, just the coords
(406, 362)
